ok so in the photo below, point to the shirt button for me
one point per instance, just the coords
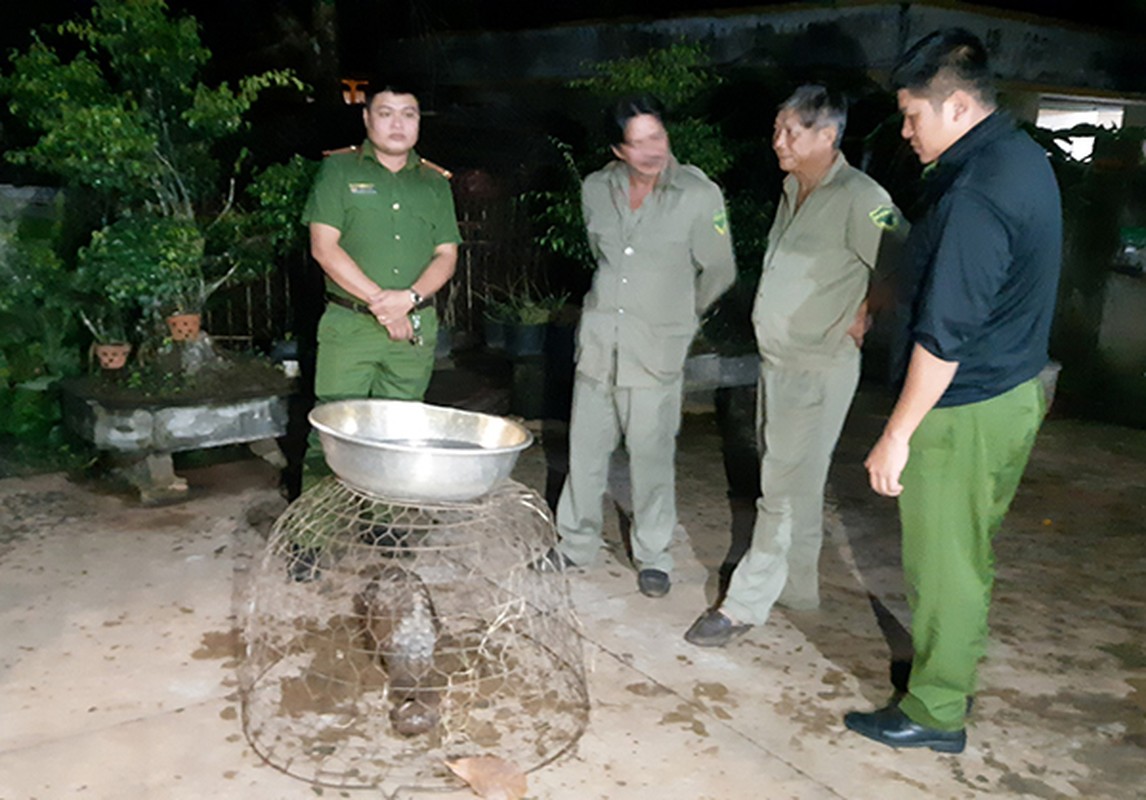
(624, 280)
(620, 311)
(396, 206)
(395, 270)
(397, 236)
(628, 251)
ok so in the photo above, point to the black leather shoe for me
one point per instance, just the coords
(653, 582)
(892, 727)
(713, 628)
(553, 561)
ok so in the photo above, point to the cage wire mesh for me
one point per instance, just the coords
(384, 637)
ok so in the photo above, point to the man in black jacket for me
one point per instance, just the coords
(982, 274)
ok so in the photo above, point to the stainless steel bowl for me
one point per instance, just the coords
(402, 450)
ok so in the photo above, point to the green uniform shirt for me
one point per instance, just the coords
(390, 221)
(817, 266)
(658, 268)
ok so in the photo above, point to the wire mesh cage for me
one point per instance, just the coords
(383, 638)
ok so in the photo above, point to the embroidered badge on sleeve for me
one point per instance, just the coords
(720, 222)
(885, 218)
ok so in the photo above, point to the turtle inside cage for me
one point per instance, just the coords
(385, 637)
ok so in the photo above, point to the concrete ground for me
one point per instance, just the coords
(118, 651)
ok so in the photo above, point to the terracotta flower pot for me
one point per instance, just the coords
(184, 327)
(112, 356)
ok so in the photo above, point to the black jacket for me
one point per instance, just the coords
(982, 262)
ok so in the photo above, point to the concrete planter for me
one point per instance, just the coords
(141, 438)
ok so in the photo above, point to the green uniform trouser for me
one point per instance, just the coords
(803, 413)
(963, 471)
(357, 359)
(649, 419)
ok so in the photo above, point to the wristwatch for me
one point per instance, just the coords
(417, 298)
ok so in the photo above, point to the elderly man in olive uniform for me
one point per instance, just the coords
(660, 235)
(383, 229)
(810, 316)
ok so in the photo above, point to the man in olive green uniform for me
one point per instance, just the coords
(660, 235)
(383, 229)
(810, 316)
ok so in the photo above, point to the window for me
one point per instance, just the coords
(1063, 114)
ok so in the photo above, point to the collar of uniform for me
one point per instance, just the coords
(988, 130)
(367, 151)
(669, 177)
(792, 184)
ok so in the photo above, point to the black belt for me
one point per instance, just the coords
(339, 300)
(362, 308)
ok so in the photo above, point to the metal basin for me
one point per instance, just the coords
(402, 450)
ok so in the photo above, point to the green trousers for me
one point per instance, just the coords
(965, 466)
(648, 418)
(802, 413)
(357, 359)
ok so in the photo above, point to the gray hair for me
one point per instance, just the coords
(819, 107)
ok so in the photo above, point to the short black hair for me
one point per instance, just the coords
(618, 115)
(818, 106)
(942, 62)
(394, 83)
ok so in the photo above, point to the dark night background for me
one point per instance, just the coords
(347, 38)
(256, 30)
(497, 138)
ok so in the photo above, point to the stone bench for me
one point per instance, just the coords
(141, 438)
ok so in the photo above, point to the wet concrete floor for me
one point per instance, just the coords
(118, 655)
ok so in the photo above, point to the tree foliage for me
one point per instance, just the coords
(119, 106)
(127, 113)
(680, 76)
(677, 75)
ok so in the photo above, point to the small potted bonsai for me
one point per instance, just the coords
(110, 347)
(143, 264)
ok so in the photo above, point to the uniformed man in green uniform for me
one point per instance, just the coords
(810, 317)
(660, 235)
(383, 229)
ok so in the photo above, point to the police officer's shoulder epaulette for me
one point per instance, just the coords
(341, 150)
(445, 173)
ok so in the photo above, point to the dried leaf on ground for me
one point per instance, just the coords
(490, 777)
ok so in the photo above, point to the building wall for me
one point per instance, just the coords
(863, 35)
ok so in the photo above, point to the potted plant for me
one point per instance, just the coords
(521, 318)
(110, 347)
(141, 265)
